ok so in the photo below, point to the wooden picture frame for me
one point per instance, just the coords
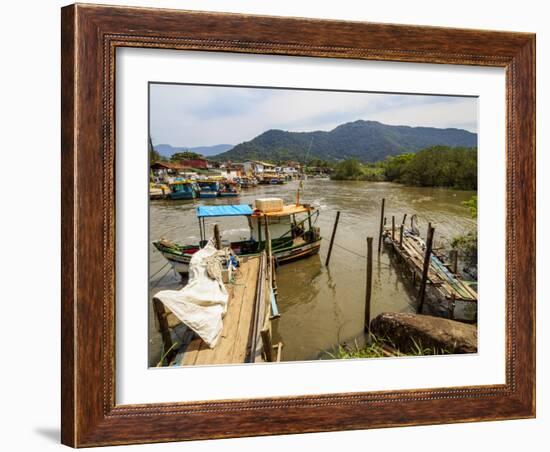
(90, 36)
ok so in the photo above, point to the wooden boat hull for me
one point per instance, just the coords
(182, 195)
(180, 262)
(208, 194)
(464, 311)
(156, 194)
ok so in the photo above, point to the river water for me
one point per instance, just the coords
(321, 307)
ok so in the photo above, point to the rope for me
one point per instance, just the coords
(159, 281)
(156, 273)
(364, 256)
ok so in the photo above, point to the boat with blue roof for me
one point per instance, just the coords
(290, 228)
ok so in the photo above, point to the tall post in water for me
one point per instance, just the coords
(217, 237)
(454, 261)
(332, 238)
(401, 228)
(427, 259)
(381, 224)
(404, 218)
(369, 284)
(393, 228)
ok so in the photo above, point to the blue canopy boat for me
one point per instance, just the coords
(183, 189)
(208, 188)
(292, 237)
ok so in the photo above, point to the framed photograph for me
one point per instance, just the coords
(281, 225)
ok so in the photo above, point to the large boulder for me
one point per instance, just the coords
(407, 331)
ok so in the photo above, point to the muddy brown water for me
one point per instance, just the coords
(320, 307)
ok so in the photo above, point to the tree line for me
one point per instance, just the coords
(437, 166)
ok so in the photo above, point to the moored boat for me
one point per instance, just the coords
(291, 230)
(183, 189)
(208, 188)
(229, 188)
(158, 191)
(248, 182)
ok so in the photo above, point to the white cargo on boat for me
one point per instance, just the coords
(202, 303)
(269, 204)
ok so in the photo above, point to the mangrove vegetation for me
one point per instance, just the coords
(437, 166)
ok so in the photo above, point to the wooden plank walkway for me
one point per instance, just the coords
(449, 285)
(233, 345)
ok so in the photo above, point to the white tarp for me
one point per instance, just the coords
(202, 303)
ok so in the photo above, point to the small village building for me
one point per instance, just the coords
(257, 167)
(287, 170)
(167, 171)
(195, 163)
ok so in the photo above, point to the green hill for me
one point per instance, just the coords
(366, 141)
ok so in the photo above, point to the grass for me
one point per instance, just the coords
(381, 347)
(163, 361)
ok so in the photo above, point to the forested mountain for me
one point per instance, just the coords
(367, 141)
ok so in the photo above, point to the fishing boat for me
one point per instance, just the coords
(291, 230)
(248, 182)
(158, 191)
(183, 189)
(229, 188)
(208, 188)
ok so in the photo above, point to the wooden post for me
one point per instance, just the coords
(267, 345)
(404, 218)
(427, 259)
(161, 313)
(267, 241)
(332, 238)
(217, 237)
(393, 228)
(401, 234)
(381, 224)
(369, 284)
(298, 197)
(454, 261)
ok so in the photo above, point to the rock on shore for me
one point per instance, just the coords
(430, 332)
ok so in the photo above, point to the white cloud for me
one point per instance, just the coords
(185, 115)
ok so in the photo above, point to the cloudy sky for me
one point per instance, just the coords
(186, 115)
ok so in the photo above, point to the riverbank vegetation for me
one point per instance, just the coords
(466, 244)
(437, 166)
(380, 347)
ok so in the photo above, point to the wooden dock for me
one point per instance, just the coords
(446, 285)
(246, 330)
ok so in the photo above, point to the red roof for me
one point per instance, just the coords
(168, 165)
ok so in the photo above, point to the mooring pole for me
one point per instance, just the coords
(217, 238)
(381, 224)
(404, 218)
(454, 261)
(369, 284)
(393, 228)
(427, 259)
(401, 235)
(332, 238)
(268, 242)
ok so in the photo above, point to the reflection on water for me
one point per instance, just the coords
(322, 307)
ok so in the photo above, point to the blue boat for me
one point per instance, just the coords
(208, 188)
(229, 188)
(183, 189)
